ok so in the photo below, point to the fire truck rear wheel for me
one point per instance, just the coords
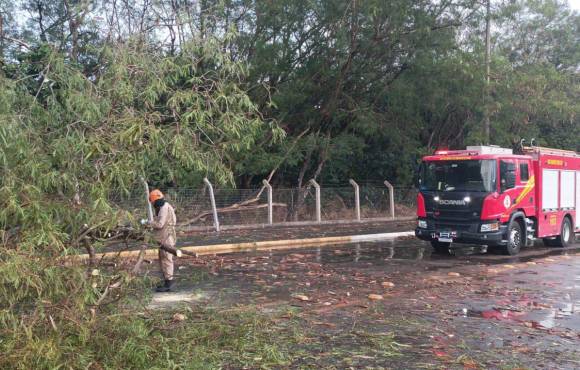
(566, 234)
(440, 247)
(515, 239)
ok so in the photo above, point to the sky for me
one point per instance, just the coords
(574, 4)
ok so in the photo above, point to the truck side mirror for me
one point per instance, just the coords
(417, 177)
(417, 180)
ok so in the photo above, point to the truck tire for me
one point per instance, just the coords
(515, 239)
(566, 234)
(440, 247)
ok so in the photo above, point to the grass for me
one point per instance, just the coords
(203, 340)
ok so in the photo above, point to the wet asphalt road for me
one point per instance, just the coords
(496, 311)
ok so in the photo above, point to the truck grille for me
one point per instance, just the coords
(455, 226)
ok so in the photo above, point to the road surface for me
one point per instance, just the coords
(396, 304)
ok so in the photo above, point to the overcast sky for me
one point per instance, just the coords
(575, 4)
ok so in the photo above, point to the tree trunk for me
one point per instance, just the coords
(487, 70)
(1, 37)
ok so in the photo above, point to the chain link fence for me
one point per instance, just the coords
(238, 207)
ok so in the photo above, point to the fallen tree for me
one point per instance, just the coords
(70, 138)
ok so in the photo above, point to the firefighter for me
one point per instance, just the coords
(163, 225)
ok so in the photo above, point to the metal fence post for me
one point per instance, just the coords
(149, 208)
(391, 198)
(216, 221)
(317, 187)
(270, 213)
(356, 198)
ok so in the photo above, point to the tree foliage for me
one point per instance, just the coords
(70, 142)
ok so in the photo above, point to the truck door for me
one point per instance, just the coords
(526, 180)
(508, 185)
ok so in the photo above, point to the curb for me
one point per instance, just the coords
(190, 229)
(253, 246)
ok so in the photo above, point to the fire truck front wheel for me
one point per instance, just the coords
(515, 238)
(566, 234)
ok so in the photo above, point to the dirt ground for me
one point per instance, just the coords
(397, 305)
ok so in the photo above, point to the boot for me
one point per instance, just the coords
(166, 287)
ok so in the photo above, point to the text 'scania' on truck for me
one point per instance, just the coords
(488, 195)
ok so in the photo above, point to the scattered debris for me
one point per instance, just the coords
(178, 317)
(301, 297)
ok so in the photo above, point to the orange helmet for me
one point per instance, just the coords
(155, 195)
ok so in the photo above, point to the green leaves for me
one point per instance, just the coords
(79, 139)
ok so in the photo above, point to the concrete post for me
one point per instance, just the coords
(149, 207)
(270, 213)
(216, 221)
(391, 198)
(356, 198)
(317, 188)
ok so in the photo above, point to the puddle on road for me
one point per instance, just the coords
(554, 318)
(374, 253)
(544, 297)
(379, 252)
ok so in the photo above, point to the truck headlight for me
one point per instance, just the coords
(422, 224)
(486, 228)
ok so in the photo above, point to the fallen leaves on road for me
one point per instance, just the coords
(498, 314)
(301, 297)
(534, 325)
(375, 297)
(439, 353)
(468, 363)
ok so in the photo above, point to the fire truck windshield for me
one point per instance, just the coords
(460, 175)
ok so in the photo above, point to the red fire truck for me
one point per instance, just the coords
(491, 196)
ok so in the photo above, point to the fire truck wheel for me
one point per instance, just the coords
(515, 239)
(566, 234)
(440, 247)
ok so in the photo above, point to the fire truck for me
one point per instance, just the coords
(499, 197)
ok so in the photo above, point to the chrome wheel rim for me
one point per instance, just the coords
(515, 237)
(566, 232)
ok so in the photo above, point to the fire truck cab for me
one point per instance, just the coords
(491, 196)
